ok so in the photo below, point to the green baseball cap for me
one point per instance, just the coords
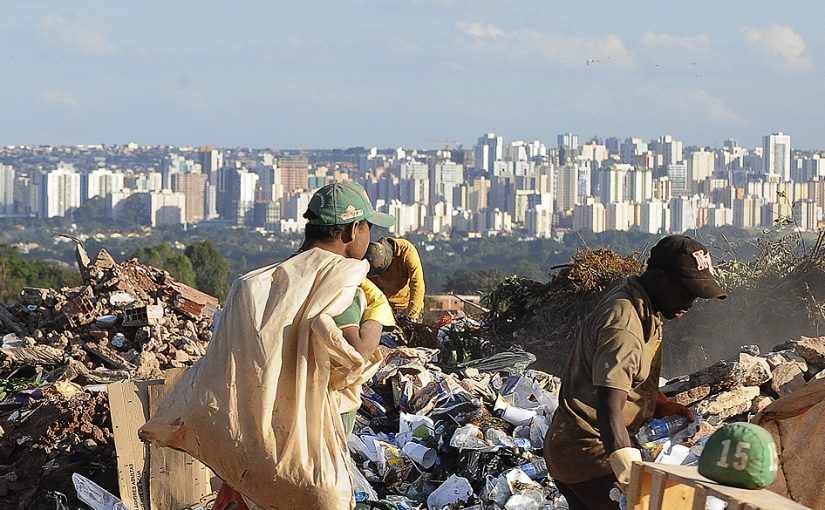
(740, 455)
(345, 202)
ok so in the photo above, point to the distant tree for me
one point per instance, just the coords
(211, 268)
(16, 273)
(133, 212)
(472, 282)
(165, 257)
(94, 212)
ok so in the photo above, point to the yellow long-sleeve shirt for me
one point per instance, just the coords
(403, 281)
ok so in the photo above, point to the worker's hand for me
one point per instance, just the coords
(666, 407)
(622, 463)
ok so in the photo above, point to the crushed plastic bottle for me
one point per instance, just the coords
(95, 496)
(536, 470)
(498, 437)
(661, 428)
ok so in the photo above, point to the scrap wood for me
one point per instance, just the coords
(9, 321)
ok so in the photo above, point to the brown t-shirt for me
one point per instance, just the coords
(617, 346)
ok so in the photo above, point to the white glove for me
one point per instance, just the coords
(622, 463)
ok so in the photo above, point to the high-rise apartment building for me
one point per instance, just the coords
(211, 161)
(613, 183)
(100, 182)
(294, 171)
(488, 150)
(7, 176)
(776, 155)
(59, 191)
(678, 175)
(166, 207)
(193, 187)
(654, 217)
(639, 184)
(700, 166)
(540, 221)
(589, 215)
(172, 164)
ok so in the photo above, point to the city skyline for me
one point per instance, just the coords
(411, 73)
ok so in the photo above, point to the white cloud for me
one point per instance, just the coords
(661, 40)
(479, 31)
(692, 102)
(72, 35)
(780, 43)
(573, 51)
(59, 98)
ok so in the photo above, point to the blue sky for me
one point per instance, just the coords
(409, 73)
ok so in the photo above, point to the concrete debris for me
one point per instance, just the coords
(812, 350)
(787, 378)
(777, 358)
(129, 319)
(729, 403)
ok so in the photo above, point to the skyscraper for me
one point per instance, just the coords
(59, 191)
(211, 161)
(6, 190)
(100, 182)
(488, 150)
(193, 187)
(294, 172)
(776, 155)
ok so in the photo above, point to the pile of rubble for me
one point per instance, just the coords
(60, 348)
(738, 388)
(127, 320)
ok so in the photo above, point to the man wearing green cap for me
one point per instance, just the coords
(270, 405)
(610, 386)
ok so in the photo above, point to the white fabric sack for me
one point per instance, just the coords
(263, 407)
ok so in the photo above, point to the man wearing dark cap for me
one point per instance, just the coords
(610, 386)
(396, 268)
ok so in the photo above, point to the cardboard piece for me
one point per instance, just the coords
(176, 479)
(172, 480)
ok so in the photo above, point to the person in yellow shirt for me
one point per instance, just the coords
(395, 268)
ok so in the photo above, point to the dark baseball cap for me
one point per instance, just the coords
(379, 255)
(689, 260)
(345, 202)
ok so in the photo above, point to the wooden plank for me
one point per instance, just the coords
(176, 480)
(699, 499)
(657, 489)
(644, 481)
(760, 499)
(129, 412)
(634, 491)
(677, 495)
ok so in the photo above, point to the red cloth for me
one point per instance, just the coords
(226, 496)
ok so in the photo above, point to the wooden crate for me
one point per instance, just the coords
(664, 487)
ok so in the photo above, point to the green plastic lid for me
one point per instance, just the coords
(740, 455)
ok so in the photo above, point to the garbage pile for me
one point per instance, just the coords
(471, 437)
(737, 388)
(59, 350)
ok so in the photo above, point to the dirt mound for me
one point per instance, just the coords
(49, 439)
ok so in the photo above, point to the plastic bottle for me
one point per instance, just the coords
(501, 439)
(95, 496)
(661, 427)
(536, 470)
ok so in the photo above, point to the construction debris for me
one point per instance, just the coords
(128, 321)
